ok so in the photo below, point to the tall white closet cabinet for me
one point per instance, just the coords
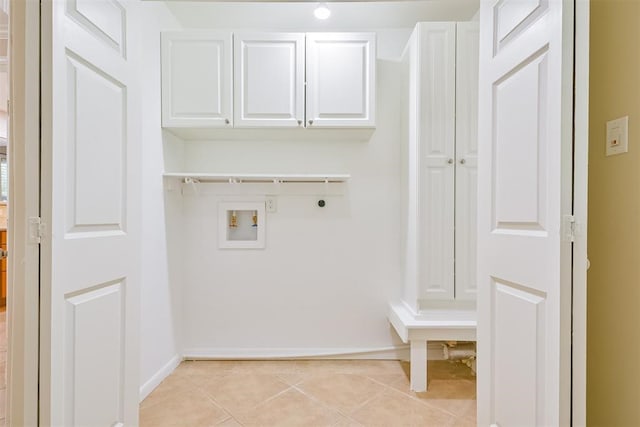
(441, 60)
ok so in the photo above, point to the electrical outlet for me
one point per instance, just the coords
(271, 204)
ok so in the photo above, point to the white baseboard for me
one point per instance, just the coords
(391, 353)
(157, 378)
(401, 352)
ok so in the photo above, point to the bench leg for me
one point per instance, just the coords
(418, 365)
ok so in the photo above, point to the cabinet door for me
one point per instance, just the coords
(437, 141)
(269, 79)
(341, 79)
(467, 158)
(196, 79)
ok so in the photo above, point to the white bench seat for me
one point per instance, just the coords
(429, 325)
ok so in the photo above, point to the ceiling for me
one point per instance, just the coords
(297, 15)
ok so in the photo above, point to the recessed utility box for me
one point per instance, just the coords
(241, 225)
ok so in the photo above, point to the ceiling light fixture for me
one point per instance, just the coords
(322, 11)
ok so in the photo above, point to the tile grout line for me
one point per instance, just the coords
(251, 408)
(225, 410)
(426, 400)
(344, 414)
(363, 404)
(324, 405)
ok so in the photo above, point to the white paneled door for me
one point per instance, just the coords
(90, 191)
(525, 192)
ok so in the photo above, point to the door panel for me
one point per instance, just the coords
(436, 268)
(85, 315)
(513, 16)
(347, 83)
(525, 188)
(341, 79)
(104, 19)
(90, 208)
(520, 101)
(96, 147)
(269, 79)
(466, 160)
(196, 79)
(437, 47)
(511, 301)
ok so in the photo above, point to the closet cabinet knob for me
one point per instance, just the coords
(299, 122)
(463, 161)
(226, 121)
(450, 161)
(310, 122)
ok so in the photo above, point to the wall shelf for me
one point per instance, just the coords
(256, 178)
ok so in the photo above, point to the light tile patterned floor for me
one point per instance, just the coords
(310, 393)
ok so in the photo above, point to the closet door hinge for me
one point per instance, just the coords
(36, 230)
(569, 228)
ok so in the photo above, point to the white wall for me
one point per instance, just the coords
(323, 282)
(160, 348)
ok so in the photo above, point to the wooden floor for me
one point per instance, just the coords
(3, 364)
(310, 393)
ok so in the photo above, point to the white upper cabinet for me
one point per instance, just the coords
(211, 79)
(196, 79)
(269, 79)
(341, 70)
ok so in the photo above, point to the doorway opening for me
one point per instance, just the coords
(4, 199)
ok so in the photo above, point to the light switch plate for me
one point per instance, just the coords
(618, 136)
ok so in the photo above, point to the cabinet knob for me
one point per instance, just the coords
(463, 161)
(226, 121)
(299, 122)
(450, 161)
(310, 122)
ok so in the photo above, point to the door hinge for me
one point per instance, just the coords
(568, 228)
(36, 230)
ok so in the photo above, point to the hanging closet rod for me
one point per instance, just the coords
(258, 178)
